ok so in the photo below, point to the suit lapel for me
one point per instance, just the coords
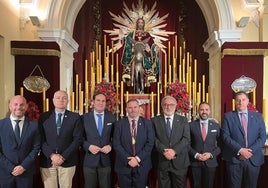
(236, 119)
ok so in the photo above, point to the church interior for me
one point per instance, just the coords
(208, 50)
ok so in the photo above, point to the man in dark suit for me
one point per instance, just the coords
(133, 141)
(243, 134)
(204, 148)
(61, 135)
(98, 126)
(172, 140)
(19, 146)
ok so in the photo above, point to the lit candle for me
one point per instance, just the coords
(152, 104)
(21, 91)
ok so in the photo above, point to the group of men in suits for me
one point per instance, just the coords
(177, 145)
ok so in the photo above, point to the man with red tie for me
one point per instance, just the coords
(133, 142)
(204, 148)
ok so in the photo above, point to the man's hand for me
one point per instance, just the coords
(106, 149)
(56, 159)
(203, 156)
(18, 170)
(245, 153)
(169, 154)
(133, 162)
(94, 149)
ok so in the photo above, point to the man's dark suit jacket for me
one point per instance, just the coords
(123, 145)
(92, 137)
(13, 153)
(233, 137)
(211, 143)
(179, 141)
(68, 141)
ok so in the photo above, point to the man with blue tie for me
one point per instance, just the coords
(172, 141)
(61, 136)
(98, 126)
(205, 140)
(243, 135)
(133, 142)
(19, 146)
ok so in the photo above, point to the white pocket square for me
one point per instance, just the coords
(109, 123)
(213, 131)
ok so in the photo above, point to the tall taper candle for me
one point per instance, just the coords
(21, 91)
(152, 104)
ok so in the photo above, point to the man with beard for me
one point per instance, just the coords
(204, 148)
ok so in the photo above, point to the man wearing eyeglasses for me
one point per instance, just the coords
(172, 140)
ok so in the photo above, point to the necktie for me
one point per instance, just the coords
(203, 131)
(58, 123)
(168, 127)
(133, 135)
(245, 126)
(17, 130)
(99, 123)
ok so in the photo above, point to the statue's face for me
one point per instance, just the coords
(140, 24)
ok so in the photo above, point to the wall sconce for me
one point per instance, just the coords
(35, 20)
(243, 21)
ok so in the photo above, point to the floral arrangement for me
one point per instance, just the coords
(109, 91)
(178, 90)
(32, 112)
(252, 107)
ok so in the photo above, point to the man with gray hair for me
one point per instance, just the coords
(172, 140)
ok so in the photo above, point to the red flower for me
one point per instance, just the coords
(109, 91)
(179, 92)
(251, 107)
(32, 112)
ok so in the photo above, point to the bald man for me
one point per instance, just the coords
(19, 146)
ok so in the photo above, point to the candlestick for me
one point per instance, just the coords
(126, 96)
(47, 105)
(21, 91)
(122, 99)
(72, 101)
(158, 98)
(81, 101)
(203, 88)
(183, 70)
(169, 75)
(76, 92)
(254, 97)
(233, 104)
(152, 104)
(44, 98)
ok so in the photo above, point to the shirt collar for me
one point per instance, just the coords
(14, 118)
